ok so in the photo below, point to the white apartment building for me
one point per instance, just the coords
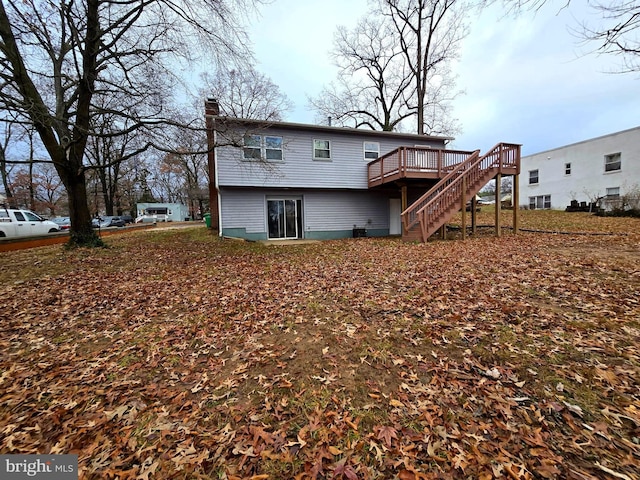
(603, 168)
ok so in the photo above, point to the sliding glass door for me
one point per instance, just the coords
(284, 218)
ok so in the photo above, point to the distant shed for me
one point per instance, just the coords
(162, 212)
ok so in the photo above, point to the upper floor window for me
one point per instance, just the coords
(371, 150)
(273, 148)
(257, 147)
(252, 147)
(612, 162)
(322, 149)
(533, 177)
(567, 169)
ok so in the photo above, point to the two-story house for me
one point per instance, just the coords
(279, 180)
(603, 168)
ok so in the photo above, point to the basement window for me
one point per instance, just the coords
(613, 192)
(540, 202)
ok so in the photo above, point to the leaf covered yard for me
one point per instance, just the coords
(173, 354)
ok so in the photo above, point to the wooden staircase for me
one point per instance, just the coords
(442, 202)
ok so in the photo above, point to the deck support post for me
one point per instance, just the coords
(443, 232)
(463, 207)
(474, 216)
(498, 204)
(515, 201)
(403, 197)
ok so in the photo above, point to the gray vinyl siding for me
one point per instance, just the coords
(344, 210)
(243, 209)
(325, 214)
(347, 168)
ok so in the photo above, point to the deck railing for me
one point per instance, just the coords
(467, 175)
(413, 162)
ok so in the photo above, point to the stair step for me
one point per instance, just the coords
(451, 206)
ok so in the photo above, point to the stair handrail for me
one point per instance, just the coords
(396, 162)
(471, 166)
(427, 198)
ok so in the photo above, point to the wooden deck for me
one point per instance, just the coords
(414, 162)
(464, 180)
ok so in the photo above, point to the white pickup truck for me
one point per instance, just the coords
(24, 223)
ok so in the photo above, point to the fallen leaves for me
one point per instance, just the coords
(491, 358)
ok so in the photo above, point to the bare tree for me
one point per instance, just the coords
(395, 67)
(49, 191)
(5, 168)
(58, 57)
(245, 93)
(190, 167)
(430, 33)
(616, 34)
(374, 85)
(112, 145)
(20, 147)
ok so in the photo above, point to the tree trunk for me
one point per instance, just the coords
(32, 193)
(5, 176)
(81, 233)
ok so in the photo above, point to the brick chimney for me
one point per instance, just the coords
(211, 107)
(211, 110)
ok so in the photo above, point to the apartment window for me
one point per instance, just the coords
(252, 147)
(371, 150)
(322, 149)
(266, 147)
(533, 177)
(540, 202)
(567, 169)
(613, 162)
(613, 192)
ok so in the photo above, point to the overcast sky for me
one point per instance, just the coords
(526, 80)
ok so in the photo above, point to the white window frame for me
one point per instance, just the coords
(537, 177)
(567, 168)
(613, 162)
(246, 148)
(369, 150)
(613, 192)
(271, 148)
(540, 202)
(263, 149)
(328, 149)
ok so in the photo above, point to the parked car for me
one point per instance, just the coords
(127, 219)
(24, 223)
(63, 222)
(109, 221)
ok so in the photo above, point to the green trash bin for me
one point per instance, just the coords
(207, 219)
